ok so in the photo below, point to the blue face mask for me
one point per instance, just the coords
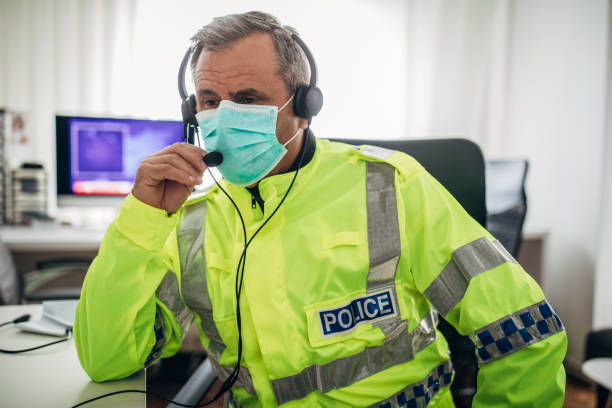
(246, 137)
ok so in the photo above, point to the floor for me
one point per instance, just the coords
(167, 376)
(579, 394)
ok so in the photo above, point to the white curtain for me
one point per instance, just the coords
(457, 59)
(64, 56)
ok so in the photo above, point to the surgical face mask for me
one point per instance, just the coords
(246, 137)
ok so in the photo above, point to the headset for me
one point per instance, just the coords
(307, 99)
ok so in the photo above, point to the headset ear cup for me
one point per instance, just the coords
(190, 123)
(313, 101)
(188, 109)
(308, 101)
(298, 102)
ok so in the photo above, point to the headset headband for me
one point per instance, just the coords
(181, 76)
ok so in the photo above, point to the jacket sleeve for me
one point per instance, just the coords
(483, 292)
(130, 312)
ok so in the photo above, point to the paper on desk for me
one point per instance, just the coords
(56, 320)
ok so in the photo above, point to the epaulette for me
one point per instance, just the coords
(405, 164)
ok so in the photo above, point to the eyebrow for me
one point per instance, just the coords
(248, 92)
(235, 95)
(207, 92)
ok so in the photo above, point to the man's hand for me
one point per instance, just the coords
(165, 179)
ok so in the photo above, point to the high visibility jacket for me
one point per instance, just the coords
(341, 291)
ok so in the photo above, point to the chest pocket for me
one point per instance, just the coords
(344, 238)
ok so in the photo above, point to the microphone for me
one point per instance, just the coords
(213, 159)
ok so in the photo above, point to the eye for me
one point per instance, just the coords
(210, 103)
(247, 100)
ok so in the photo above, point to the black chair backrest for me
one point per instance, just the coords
(507, 201)
(458, 164)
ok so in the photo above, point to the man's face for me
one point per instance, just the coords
(247, 73)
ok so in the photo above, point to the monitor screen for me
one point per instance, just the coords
(100, 156)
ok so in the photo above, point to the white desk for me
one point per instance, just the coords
(46, 241)
(50, 236)
(53, 377)
(599, 370)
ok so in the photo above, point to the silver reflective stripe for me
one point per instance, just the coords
(466, 262)
(399, 347)
(193, 273)
(168, 293)
(195, 289)
(420, 393)
(384, 244)
(160, 338)
(244, 377)
(516, 331)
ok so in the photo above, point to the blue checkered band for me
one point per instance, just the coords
(160, 338)
(516, 331)
(419, 394)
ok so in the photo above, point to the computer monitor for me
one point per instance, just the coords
(98, 157)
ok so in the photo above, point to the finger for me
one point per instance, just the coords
(189, 152)
(177, 161)
(165, 171)
(193, 154)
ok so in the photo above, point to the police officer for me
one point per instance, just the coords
(314, 271)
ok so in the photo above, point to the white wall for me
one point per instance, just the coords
(556, 118)
(602, 304)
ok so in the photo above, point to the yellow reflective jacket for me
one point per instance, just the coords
(340, 295)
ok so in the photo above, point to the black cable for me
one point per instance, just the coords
(229, 382)
(23, 318)
(35, 348)
(146, 392)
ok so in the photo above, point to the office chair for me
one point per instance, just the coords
(55, 280)
(599, 344)
(11, 283)
(51, 280)
(458, 165)
(506, 201)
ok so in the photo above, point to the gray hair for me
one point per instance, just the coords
(222, 32)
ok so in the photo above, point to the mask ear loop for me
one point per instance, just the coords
(297, 132)
(286, 103)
